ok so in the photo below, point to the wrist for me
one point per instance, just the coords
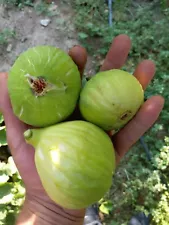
(42, 211)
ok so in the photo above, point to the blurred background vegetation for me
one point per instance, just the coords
(139, 184)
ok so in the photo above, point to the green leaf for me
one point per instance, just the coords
(6, 194)
(106, 207)
(21, 190)
(3, 140)
(3, 178)
(8, 170)
(19, 194)
(11, 218)
(113, 223)
(3, 214)
(82, 35)
(11, 167)
(1, 118)
(2, 166)
(18, 201)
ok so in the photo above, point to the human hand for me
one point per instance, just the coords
(38, 208)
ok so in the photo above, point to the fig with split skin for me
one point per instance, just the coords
(110, 99)
(75, 161)
(44, 85)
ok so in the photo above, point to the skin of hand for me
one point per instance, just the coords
(38, 208)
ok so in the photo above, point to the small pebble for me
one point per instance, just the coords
(9, 48)
(45, 22)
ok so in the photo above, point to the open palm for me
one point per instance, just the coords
(23, 153)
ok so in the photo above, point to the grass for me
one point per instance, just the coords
(6, 35)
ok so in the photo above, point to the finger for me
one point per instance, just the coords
(79, 56)
(3, 91)
(143, 120)
(23, 153)
(145, 72)
(118, 53)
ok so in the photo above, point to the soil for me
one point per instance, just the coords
(26, 23)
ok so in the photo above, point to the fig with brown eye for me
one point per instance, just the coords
(110, 99)
(44, 85)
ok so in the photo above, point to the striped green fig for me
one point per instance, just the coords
(44, 85)
(75, 161)
(110, 99)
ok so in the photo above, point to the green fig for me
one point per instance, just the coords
(44, 85)
(75, 161)
(110, 99)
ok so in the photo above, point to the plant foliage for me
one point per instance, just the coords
(6, 35)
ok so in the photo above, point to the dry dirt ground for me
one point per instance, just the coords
(26, 23)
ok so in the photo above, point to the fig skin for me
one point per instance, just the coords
(110, 99)
(44, 85)
(75, 161)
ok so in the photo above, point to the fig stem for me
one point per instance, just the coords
(32, 136)
(28, 134)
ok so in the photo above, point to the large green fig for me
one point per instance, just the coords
(44, 85)
(111, 98)
(75, 161)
